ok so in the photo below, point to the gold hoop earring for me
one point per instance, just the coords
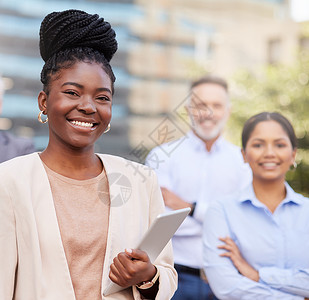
(108, 128)
(40, 118)
(293, 166)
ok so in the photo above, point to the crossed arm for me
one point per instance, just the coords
(232, 277)
(173, 201)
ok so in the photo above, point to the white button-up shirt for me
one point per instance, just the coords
(196, 175)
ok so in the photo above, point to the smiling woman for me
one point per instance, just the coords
(79, 107)
(256, 243)
(269, 146)
(61, 234)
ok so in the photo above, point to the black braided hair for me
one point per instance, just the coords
(74, 35)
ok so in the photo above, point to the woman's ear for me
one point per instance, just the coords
(42, 101)
(293, 156)
(243, 155)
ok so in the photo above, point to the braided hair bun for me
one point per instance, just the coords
(73, 29)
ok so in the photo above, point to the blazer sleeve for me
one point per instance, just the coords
(165, 261)
(8, 248)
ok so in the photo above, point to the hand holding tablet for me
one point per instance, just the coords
(156, 238)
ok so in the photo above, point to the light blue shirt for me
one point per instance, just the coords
(276, 244)
(186, 168)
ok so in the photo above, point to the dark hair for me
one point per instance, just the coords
(210, 79)
(74, 35)
(268, 116)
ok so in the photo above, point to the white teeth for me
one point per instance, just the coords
(83, 124)
(269, 164)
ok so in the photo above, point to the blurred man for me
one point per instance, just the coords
(203, 168)
(11, 146)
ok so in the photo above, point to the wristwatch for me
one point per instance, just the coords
(193, 205)
(148, 284)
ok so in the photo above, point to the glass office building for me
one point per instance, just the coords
(20, 65)
(162, 46)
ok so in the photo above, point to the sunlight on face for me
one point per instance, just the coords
(269, 151)
(79, 105)
(208, 110)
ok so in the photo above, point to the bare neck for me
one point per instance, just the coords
(209, 143)
(79, 165)
(269, 193)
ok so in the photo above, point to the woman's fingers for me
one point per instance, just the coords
(226, 254)
(228, 241)
(131, 267)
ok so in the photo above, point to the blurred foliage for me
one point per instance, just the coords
(280, 88)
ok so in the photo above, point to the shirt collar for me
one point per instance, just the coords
(199, 144)
(248, 194)
(292, 196)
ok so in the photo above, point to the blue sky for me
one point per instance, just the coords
(300, 10)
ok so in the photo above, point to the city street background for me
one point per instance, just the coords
(259, 46)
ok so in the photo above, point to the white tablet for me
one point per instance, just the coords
(156, 238)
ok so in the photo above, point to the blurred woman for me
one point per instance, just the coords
(69, 217)
(256, 242)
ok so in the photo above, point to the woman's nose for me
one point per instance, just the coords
(87, 105)
(269, 150)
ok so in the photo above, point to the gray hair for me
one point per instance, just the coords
(210, 79)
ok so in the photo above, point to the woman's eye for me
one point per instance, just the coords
(257, 145)
(281, 145)
(103, 98)
(73, 93)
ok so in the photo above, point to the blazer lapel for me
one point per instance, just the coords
(54, 264)
(114, 237)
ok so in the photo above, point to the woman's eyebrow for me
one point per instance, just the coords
(104, 90)
(72, 83)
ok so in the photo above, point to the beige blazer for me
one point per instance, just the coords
(33, 265)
